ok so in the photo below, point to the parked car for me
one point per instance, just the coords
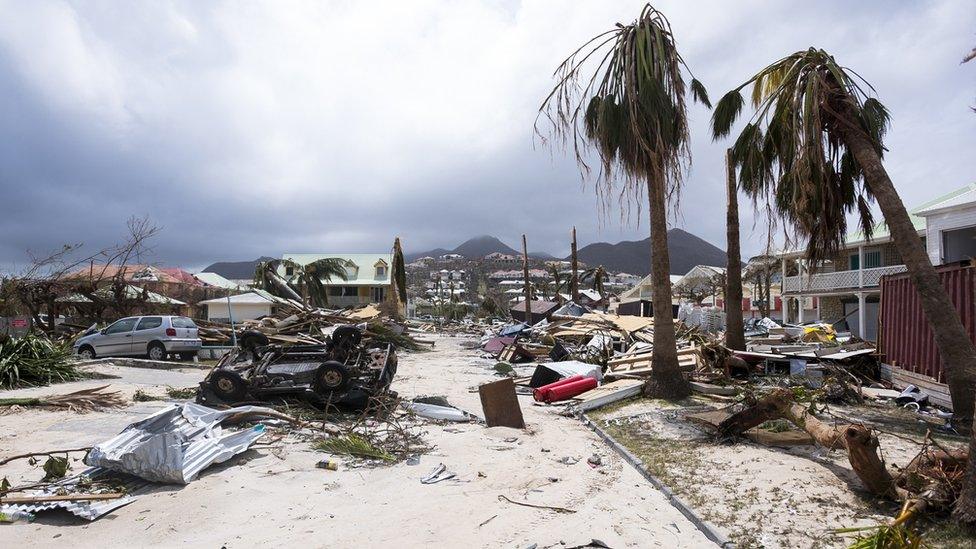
(154, 337)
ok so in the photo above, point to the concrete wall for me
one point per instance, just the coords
(242, 311)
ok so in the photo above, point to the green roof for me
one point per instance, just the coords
(881, 228)
(362, 274)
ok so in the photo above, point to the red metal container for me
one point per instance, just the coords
(569, 390)
(539, 393)
(904, 336)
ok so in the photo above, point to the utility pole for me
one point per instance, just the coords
(574, 283)
(525, 275)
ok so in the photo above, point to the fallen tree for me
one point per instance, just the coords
(931, 481)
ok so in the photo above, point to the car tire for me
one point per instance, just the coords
(86, 352)
(330, 378)
(156, 351)
(228, 386)
(188, 355)
(251, 341)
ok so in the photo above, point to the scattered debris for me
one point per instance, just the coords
(438, 474)
(500, 404)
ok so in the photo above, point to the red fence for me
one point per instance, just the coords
(904, 336)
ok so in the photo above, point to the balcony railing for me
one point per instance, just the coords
(347, 301)
(840, 280)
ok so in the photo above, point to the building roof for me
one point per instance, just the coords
(962, 196)
(215, 280)
(648, 283)
(249, 298)
(538, 307)
(137, 273)
(365, 275)
(130, 292)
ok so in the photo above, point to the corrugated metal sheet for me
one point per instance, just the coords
(905, 338)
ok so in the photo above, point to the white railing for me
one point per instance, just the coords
(826, 282)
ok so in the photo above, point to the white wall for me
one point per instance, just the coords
(935, 224)
(242, 311)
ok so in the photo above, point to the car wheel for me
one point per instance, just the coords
(156, 351)
(86, 352)
(187, 356)
(331, 377)
(228, 386)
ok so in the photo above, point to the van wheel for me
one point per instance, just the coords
(331, 377)
(156, 351)
(86, 352)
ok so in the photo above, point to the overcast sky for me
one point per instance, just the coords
(257, 128)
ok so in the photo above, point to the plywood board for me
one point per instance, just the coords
(500, 404)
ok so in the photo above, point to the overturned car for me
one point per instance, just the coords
(342, 372)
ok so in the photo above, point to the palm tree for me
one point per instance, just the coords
(598, 275)
(631, 110)
(813, 149)
(314, 276)
(558, 284)
(306, 283)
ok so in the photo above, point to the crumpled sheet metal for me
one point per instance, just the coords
(88, 510)
(175, 444)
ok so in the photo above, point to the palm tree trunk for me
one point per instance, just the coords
(526, 287)
(955, 347)
(734, 331)
(666, 380)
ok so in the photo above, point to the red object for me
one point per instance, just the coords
(539, 393)
(569, 390)
(171, 332)
(904, 336)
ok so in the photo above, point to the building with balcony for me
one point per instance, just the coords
(847, 286)
(367, 277)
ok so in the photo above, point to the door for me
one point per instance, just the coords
(146, 331)
(116, 340)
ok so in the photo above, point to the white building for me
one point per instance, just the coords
(950, 226)
(254, 304)
(367, 277)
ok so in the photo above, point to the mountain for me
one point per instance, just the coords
(544, 256)
(686, 251)
(480, 246)
(236, 270)
(473, 248)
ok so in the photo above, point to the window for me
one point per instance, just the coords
(343, 291)
(150, 322)
(377, 295)
(872, 259)
(380, 272)
(289, 271)
(183, 322)
(122, 326)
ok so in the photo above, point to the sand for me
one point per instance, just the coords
(264, 499)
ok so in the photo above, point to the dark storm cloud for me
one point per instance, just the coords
(258, 129)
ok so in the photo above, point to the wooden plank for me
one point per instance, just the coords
(609, 393)
(500, 404)
(709, 389)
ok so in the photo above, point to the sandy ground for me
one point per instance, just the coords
(761, 496)
(263, 499)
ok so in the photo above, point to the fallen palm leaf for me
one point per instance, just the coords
(353, 445)
(83, 400)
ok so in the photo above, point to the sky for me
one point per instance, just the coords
(256, 128)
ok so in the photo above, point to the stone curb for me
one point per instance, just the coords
(703, 526)
(142, 363)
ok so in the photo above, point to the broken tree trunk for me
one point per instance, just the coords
(858, 440)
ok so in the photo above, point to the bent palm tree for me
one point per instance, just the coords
(314, 276)
(631, 110)
(813, 148)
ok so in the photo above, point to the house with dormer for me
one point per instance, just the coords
(367, 277)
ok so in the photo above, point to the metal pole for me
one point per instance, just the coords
(233, 332)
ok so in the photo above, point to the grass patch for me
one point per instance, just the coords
(142, 396)
(183, 394)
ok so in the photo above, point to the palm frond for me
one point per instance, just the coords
(353, 445)
(622, 95)
(791, 153)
